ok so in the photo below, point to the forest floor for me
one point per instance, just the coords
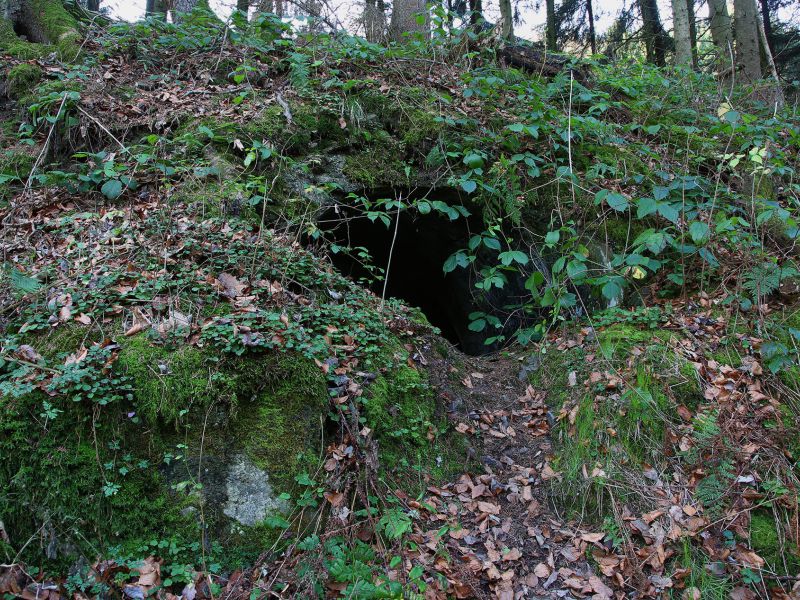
(646, 451)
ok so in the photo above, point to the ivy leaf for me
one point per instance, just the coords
(699, 231)
(469, 186)
(112, 189)
(552, 237)
(669, 212)
(491, 243)
(647, 206)
(513, 256)
(458, 259)
(576, 270)
(707, 256)
(612, 290)
(615, 200)
(477, 325)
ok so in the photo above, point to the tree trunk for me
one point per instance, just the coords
(404, 18)
(243, 6)
(93, 5)
(683, 37)
(721, 33)
(656, 38)
(39, 21)
(720, 25)
(693, 30)
(766, 19)
(745, 24)
(506, 20)
(590, 19)
(155, 7)
(550, 26)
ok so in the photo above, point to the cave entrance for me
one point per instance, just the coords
(418, 249)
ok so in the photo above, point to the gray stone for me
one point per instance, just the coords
(250, 496)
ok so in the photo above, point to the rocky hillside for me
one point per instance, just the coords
(290, 316)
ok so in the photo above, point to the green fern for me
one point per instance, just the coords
(765, 278)
(298, 69)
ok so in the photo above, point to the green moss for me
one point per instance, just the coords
(170, 382)
(22, 78)
(16, 160)
(420, 126)
(311, 122)
(285, 419)
(59, 27)
(613, 434)
(67, 481)
(400, 406)
(104, 475)
(375, 167)
(12, 45)
(53, 23)
(773, 546)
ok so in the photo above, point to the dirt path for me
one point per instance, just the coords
(503, 537)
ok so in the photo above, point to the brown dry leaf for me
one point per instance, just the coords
(592, 538)
(84, 319)
(26, 352)
(233, 288)
(602, 591)
(513, 554)
(149, 573)
(488, 507)
(335, 498)
(140, 322)
(542, 571)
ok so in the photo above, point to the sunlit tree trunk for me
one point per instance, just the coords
(721, 33)
(506, 19)
(405, 18)
(745, 25)
(683, 37)
(550, 25)
(374, 20)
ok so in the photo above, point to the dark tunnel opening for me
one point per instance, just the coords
(418, 249)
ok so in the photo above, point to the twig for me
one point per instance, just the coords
(391, 250)
(105, 129)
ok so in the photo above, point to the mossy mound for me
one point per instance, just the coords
(617, 396)
(22, 78)
(157, 451)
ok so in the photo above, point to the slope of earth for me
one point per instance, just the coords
(197, 404)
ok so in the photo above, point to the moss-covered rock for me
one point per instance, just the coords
(173, 440)
(22, 78)
(49, 25)
(12, 45)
